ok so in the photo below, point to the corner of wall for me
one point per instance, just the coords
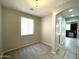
(1, 54)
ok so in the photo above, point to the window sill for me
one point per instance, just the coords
(27, 35)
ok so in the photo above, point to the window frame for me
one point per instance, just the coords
(33, 26)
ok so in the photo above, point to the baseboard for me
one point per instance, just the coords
(46, 44)
(1, 54)
(54, 53)
(19, 47)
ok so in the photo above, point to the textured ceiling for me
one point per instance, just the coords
(24, 6)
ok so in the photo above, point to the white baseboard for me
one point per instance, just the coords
(1, 54)
(47, 44)
(54, 53)
(20, 47)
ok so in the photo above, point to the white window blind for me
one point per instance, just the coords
(27, 26)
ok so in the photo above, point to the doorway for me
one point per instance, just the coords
(71, 30)
(67, 28)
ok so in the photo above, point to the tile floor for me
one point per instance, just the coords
(71, 49)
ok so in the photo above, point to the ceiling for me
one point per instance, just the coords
(44, 8)
(68, 14)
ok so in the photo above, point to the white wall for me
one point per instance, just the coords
(0, 32)
(46, 28)
(12, 29)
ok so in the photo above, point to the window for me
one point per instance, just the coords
(27, 26)
(68, 26)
